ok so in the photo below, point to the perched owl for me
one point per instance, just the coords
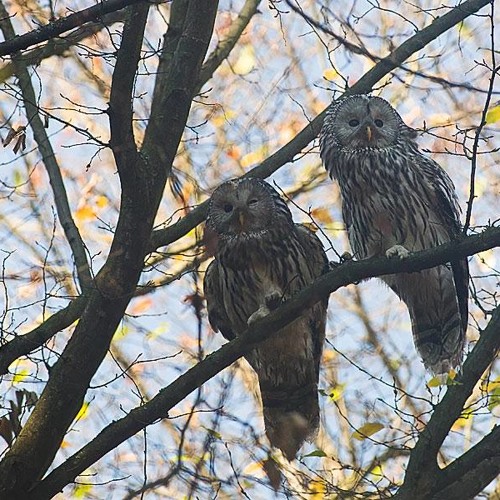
(262, 258)
(396, 200)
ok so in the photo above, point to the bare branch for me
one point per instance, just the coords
(224, 48)
(56, 181)
(59, 46)
(15, 43)
(24, 344)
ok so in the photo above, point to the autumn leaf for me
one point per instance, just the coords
(367, 430)
(322, 214)
(83, 413)
(330, 74)
(493, 115)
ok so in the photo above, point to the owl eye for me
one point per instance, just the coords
(353, 122)
(379, 123)
(252, 202)
(228, 207)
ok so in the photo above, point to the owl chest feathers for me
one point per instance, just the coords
(253, 269)
(386, 201)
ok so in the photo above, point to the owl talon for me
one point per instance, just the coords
(397, 251)
(260, 313)
(273, 299)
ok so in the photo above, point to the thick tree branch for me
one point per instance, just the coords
(422, 473)
(15, 43)
(143, 183)
(349, 272)
(440, 25)
(469, 474)
(225, 46)
(49, 159)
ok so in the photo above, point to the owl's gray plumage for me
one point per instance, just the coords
(394, 195)
(261, 258)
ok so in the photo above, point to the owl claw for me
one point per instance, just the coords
(273, 299)
(398, 251)
(260, 313)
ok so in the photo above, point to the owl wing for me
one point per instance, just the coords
(217, 315)
(449, 211)
(318, 263)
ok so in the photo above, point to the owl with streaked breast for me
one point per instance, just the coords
(262, 258)
(396, 200)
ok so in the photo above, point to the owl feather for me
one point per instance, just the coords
(261, 259)
(396, 200)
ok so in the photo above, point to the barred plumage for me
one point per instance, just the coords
(262, 257)
(394, 200)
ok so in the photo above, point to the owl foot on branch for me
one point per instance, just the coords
(273, 300)
(397, 251)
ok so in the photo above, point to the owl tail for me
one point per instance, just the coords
(290, 417)
(437, 316)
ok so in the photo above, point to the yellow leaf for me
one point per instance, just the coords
(101, 201)
(377, 471)
(490, 385)
(437, 381)
(84, 213)
(367, 430)
(317, 489)
(336, 392)
(493, 115)
(330, 74)
(322, 214)
(82, 490)
(83, 413)
(246, 61)
(254, 156)
(20, 376)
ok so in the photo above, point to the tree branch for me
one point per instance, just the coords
(349, 272)
(440, 25)
(224, 47)
(469, 474)
(15, 43)
(143, 183)
(24, 344)
(49, 159)
(59, 46)
(422, 473)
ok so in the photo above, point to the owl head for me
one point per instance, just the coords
(246, 208)
(364, 122)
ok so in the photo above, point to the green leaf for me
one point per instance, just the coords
(315, 453)
(213, 433)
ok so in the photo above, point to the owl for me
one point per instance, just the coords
(395, 200)
(261, 259)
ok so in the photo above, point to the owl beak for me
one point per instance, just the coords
(241, 219)
(369, 133)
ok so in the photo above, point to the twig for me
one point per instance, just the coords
(56, 181)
